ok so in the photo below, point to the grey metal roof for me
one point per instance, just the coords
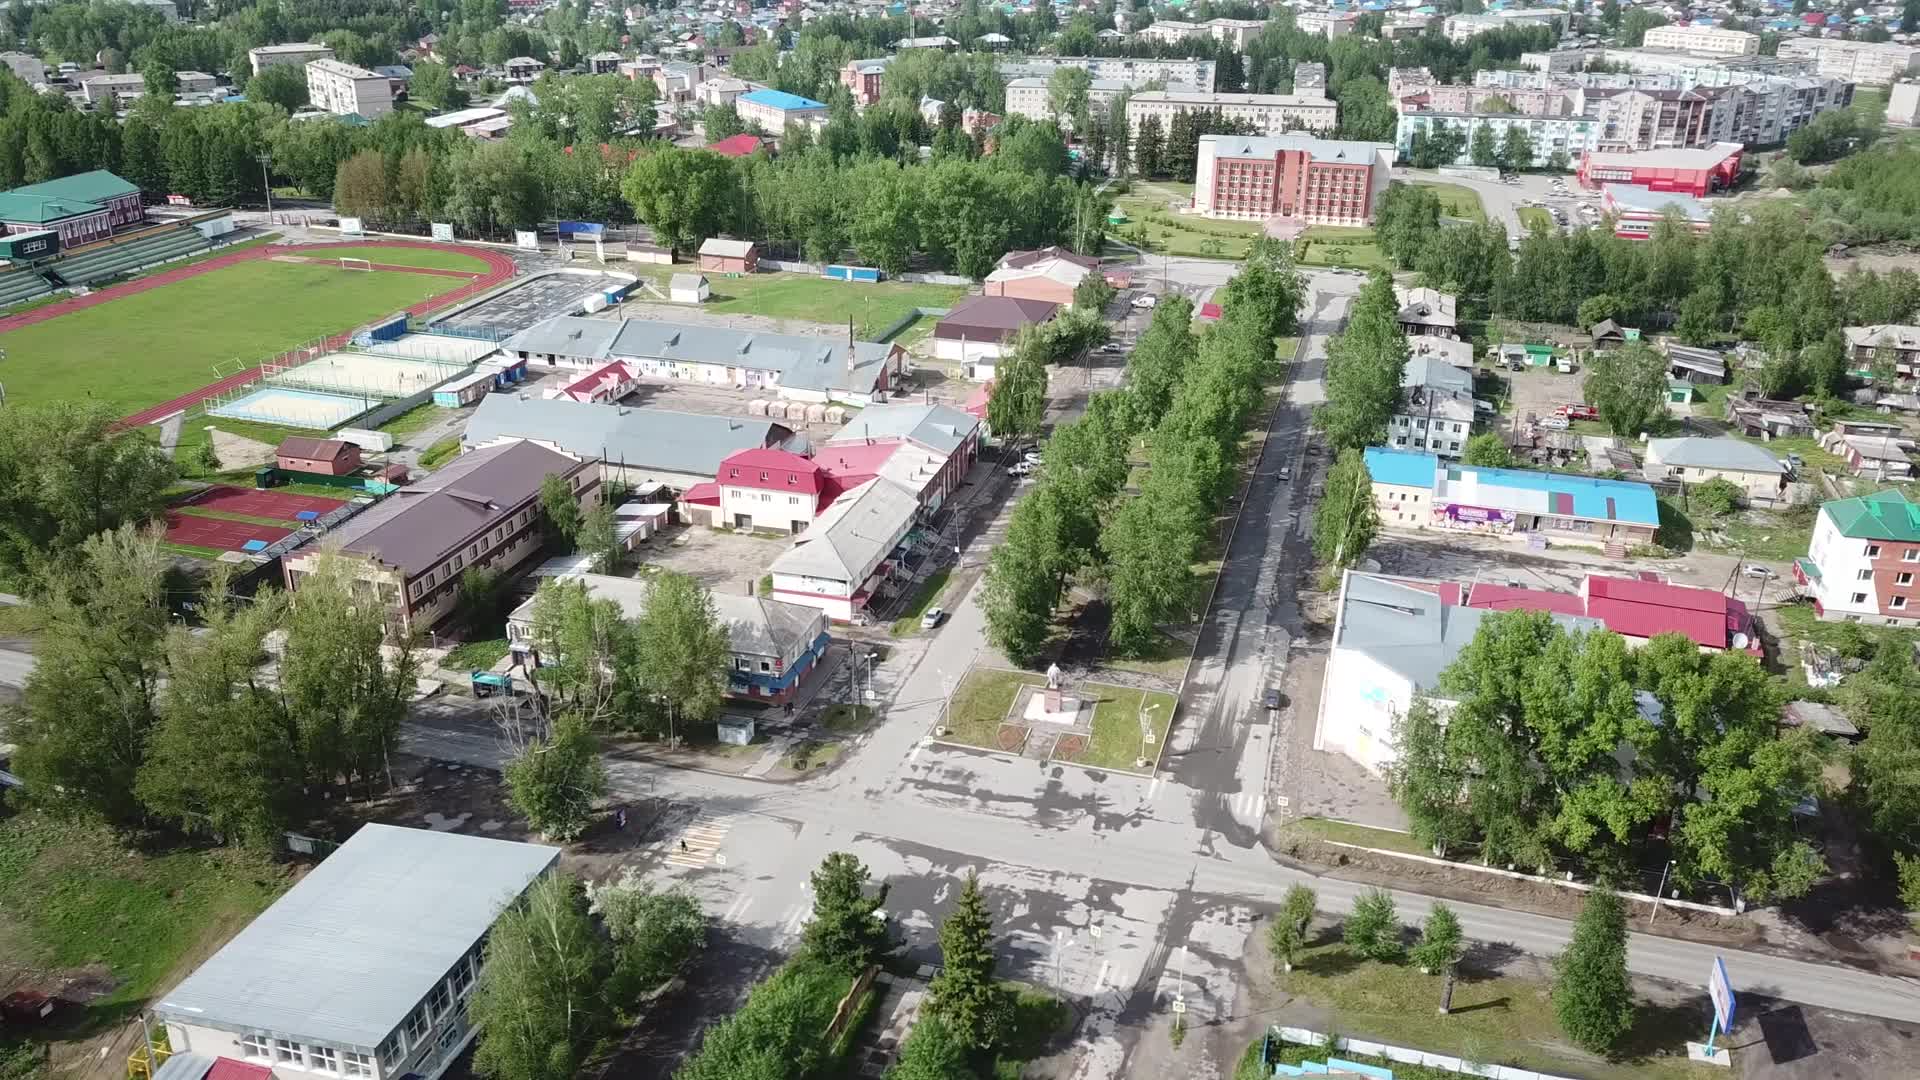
(1697, 452)
(348, 952)
(940, 428)
(677, 442)
(756, 626)
(847, 541)
(185, 1065)
(1436, 374)
(1335, 151)
(415, 527)
(1410, 631)
(567, 335)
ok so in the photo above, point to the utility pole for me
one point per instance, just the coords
(266, 182)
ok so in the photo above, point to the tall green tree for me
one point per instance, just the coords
(540, 1001)
(1628, 386)
(66, 475)
(585, 650)
(1018, 403)
(655, 932)
(555, 778)
(1441, 941)
(1487, 450)
(1288, 934)
(1483, 148)
(560, 513)
(965, 995)
(847, 931)
(1347, 519)
(683, 651)
(686, 195)
(1592, 995)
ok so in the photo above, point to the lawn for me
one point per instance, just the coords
(1533, 217)
(1169, 232)
(981, 701)
(1116, 741)
(1798, 621)
(431, 258)
(73, 895)
(159, 344)
(1458, 201)
(1167, 659)
(1757, 534)
(1332, 245)
(873, 307)
(418, 418)
(475, 655)
(1346, 833)
(440, 453)
(1499, 1018)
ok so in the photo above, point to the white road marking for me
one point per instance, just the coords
(700, 842)
(738, 910)
(1100, 980)
(1153, 788)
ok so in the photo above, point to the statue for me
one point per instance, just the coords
(1054, 676)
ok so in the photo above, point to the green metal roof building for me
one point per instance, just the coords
(83, 207)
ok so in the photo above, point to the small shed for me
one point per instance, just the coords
(465, 390)
(1608, 334)
(1824, 719)
(325, 457)
(1679, 392)
(688, 289)
(729, 256)
(735, 730)
(1696, 365)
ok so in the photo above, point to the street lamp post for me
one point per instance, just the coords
(1657, 893)
(266, 182)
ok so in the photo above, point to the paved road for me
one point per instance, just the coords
(1121, 891)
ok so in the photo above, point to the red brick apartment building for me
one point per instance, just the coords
(1314, 181)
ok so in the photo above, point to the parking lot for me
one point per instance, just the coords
(1540, 391)
(722, 561)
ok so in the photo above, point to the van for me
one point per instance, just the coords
(1566, 365)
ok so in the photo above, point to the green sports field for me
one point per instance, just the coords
(140, 350)
(432, 258)
(872, 306)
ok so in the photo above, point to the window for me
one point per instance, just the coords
(1859, 598)
(1910, 555)
(438, 1000)
(742, 663)
(1863, 575)
(793, 500)
(416, 1026)
(357, 1064)
(462, 978)
(1873, 551)
(1897, 603)
(256, 1046)
(1903, 579)
(323, 1059)
(286, 1051)
(766, 666)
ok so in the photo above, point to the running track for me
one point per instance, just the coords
(500, 269)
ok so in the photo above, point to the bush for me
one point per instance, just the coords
(1718, 496)
(1373, 929)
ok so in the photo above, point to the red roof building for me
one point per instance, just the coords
(767, 488)
(738, 146)
(1636, 609)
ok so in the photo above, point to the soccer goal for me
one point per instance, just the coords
(356, 264)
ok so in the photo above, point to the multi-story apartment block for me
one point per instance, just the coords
(1573, 135)
(303, 53)
(1028, 97)
(773, 110)
(1310, 79)
(1693, 69)
(1135, 74)
(604, 63)
(1712, 40)
(1470, 99)
(1329, 24)
(1318, 181)
(341, 88)
(482, 509)
(1876, 62)
(1864, 562)
(363, 969)
(1270, 114)
(1236, 31)
(864, 77)
(1463, 27)
(1903, 104)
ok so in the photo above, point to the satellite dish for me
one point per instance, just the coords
(1739, 641)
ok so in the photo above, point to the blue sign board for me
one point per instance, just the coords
(580, 228)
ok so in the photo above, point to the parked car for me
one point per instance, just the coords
(933, 618)
(1796, 461)
(1023, 468)
(1272, 698)
(1145, 300)
(1286, 473)
(1574, 410)
(1031, 457)
(1110, 347)
(1555, 423)
(1759, 572)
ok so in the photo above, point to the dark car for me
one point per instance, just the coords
(1273, 699)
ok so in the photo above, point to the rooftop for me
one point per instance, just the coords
(1516, 490)
(1883, 515)
(997, 318)
(755, 625)
(1647, 201)
(780, 99)
(851, 538)
(1698, 158)
(804, 361)
(940, 428)
(1695, 451)
(1633, 608)
(677, 442)
(1411, 628)
(53, 200)
(1331, 151)
(353, 947)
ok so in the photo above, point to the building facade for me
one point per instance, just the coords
(1417, 490)
(1328, 24)
(864, 78)
(1134, 74)
(1862, 563)
(363, 969)
(82, 208)
(302, 53)
(773, 110)
(1318, 181)
(1637, 212)
(1856, 61)
(1698, 173)
(1712, 40)
(1270, 114)
(345, 90)
(480, 510)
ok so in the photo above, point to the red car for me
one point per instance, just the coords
(1575, 411)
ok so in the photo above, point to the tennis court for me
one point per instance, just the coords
(220, 533)
(292, 408)
(264, 504)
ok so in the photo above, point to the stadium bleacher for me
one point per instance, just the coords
(99, 263)
(21, 284)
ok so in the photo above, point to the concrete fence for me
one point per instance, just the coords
(1517, 875)
(1404, 1056)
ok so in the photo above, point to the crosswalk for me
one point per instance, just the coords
(1248, 806)
(788, 923)
(699, 843)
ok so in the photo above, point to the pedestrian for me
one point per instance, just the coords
(620, 818)
(683, 845)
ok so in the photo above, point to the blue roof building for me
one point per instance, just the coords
(1417, 490)
(773, 110)
(780, 99)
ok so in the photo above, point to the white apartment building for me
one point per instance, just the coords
(305, 52)
(1028, 97)
(1712, 40)
(1237, 31)
(1328, 24)
(340, 88)
(1572, 134)
(1463, 27)
(1270, 114)
(362, 970)
(1135, 74)
(1436, 407)
(1863, 564)
(1857, 61)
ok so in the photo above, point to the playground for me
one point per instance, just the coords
(151, 347)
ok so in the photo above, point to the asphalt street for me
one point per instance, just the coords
(1122, 891)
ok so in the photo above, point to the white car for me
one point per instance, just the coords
(1031, 457)
(933, 618)
(1145, 300)
(1110, 347)
(1760, 572)
(1023, 468)
(1554, 423)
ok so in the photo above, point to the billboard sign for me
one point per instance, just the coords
(1721, 991)
(1459, 512)
(443, 231)
(525, 239)
(352, 226)
(579, 228)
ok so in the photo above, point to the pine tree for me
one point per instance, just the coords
(1373, 928)
(1592, 995)
(1440, 941)
(847, 932)
(964, 994)
(1148, 144)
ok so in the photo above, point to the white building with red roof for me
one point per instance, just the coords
(768, 488)
(1636, 609)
